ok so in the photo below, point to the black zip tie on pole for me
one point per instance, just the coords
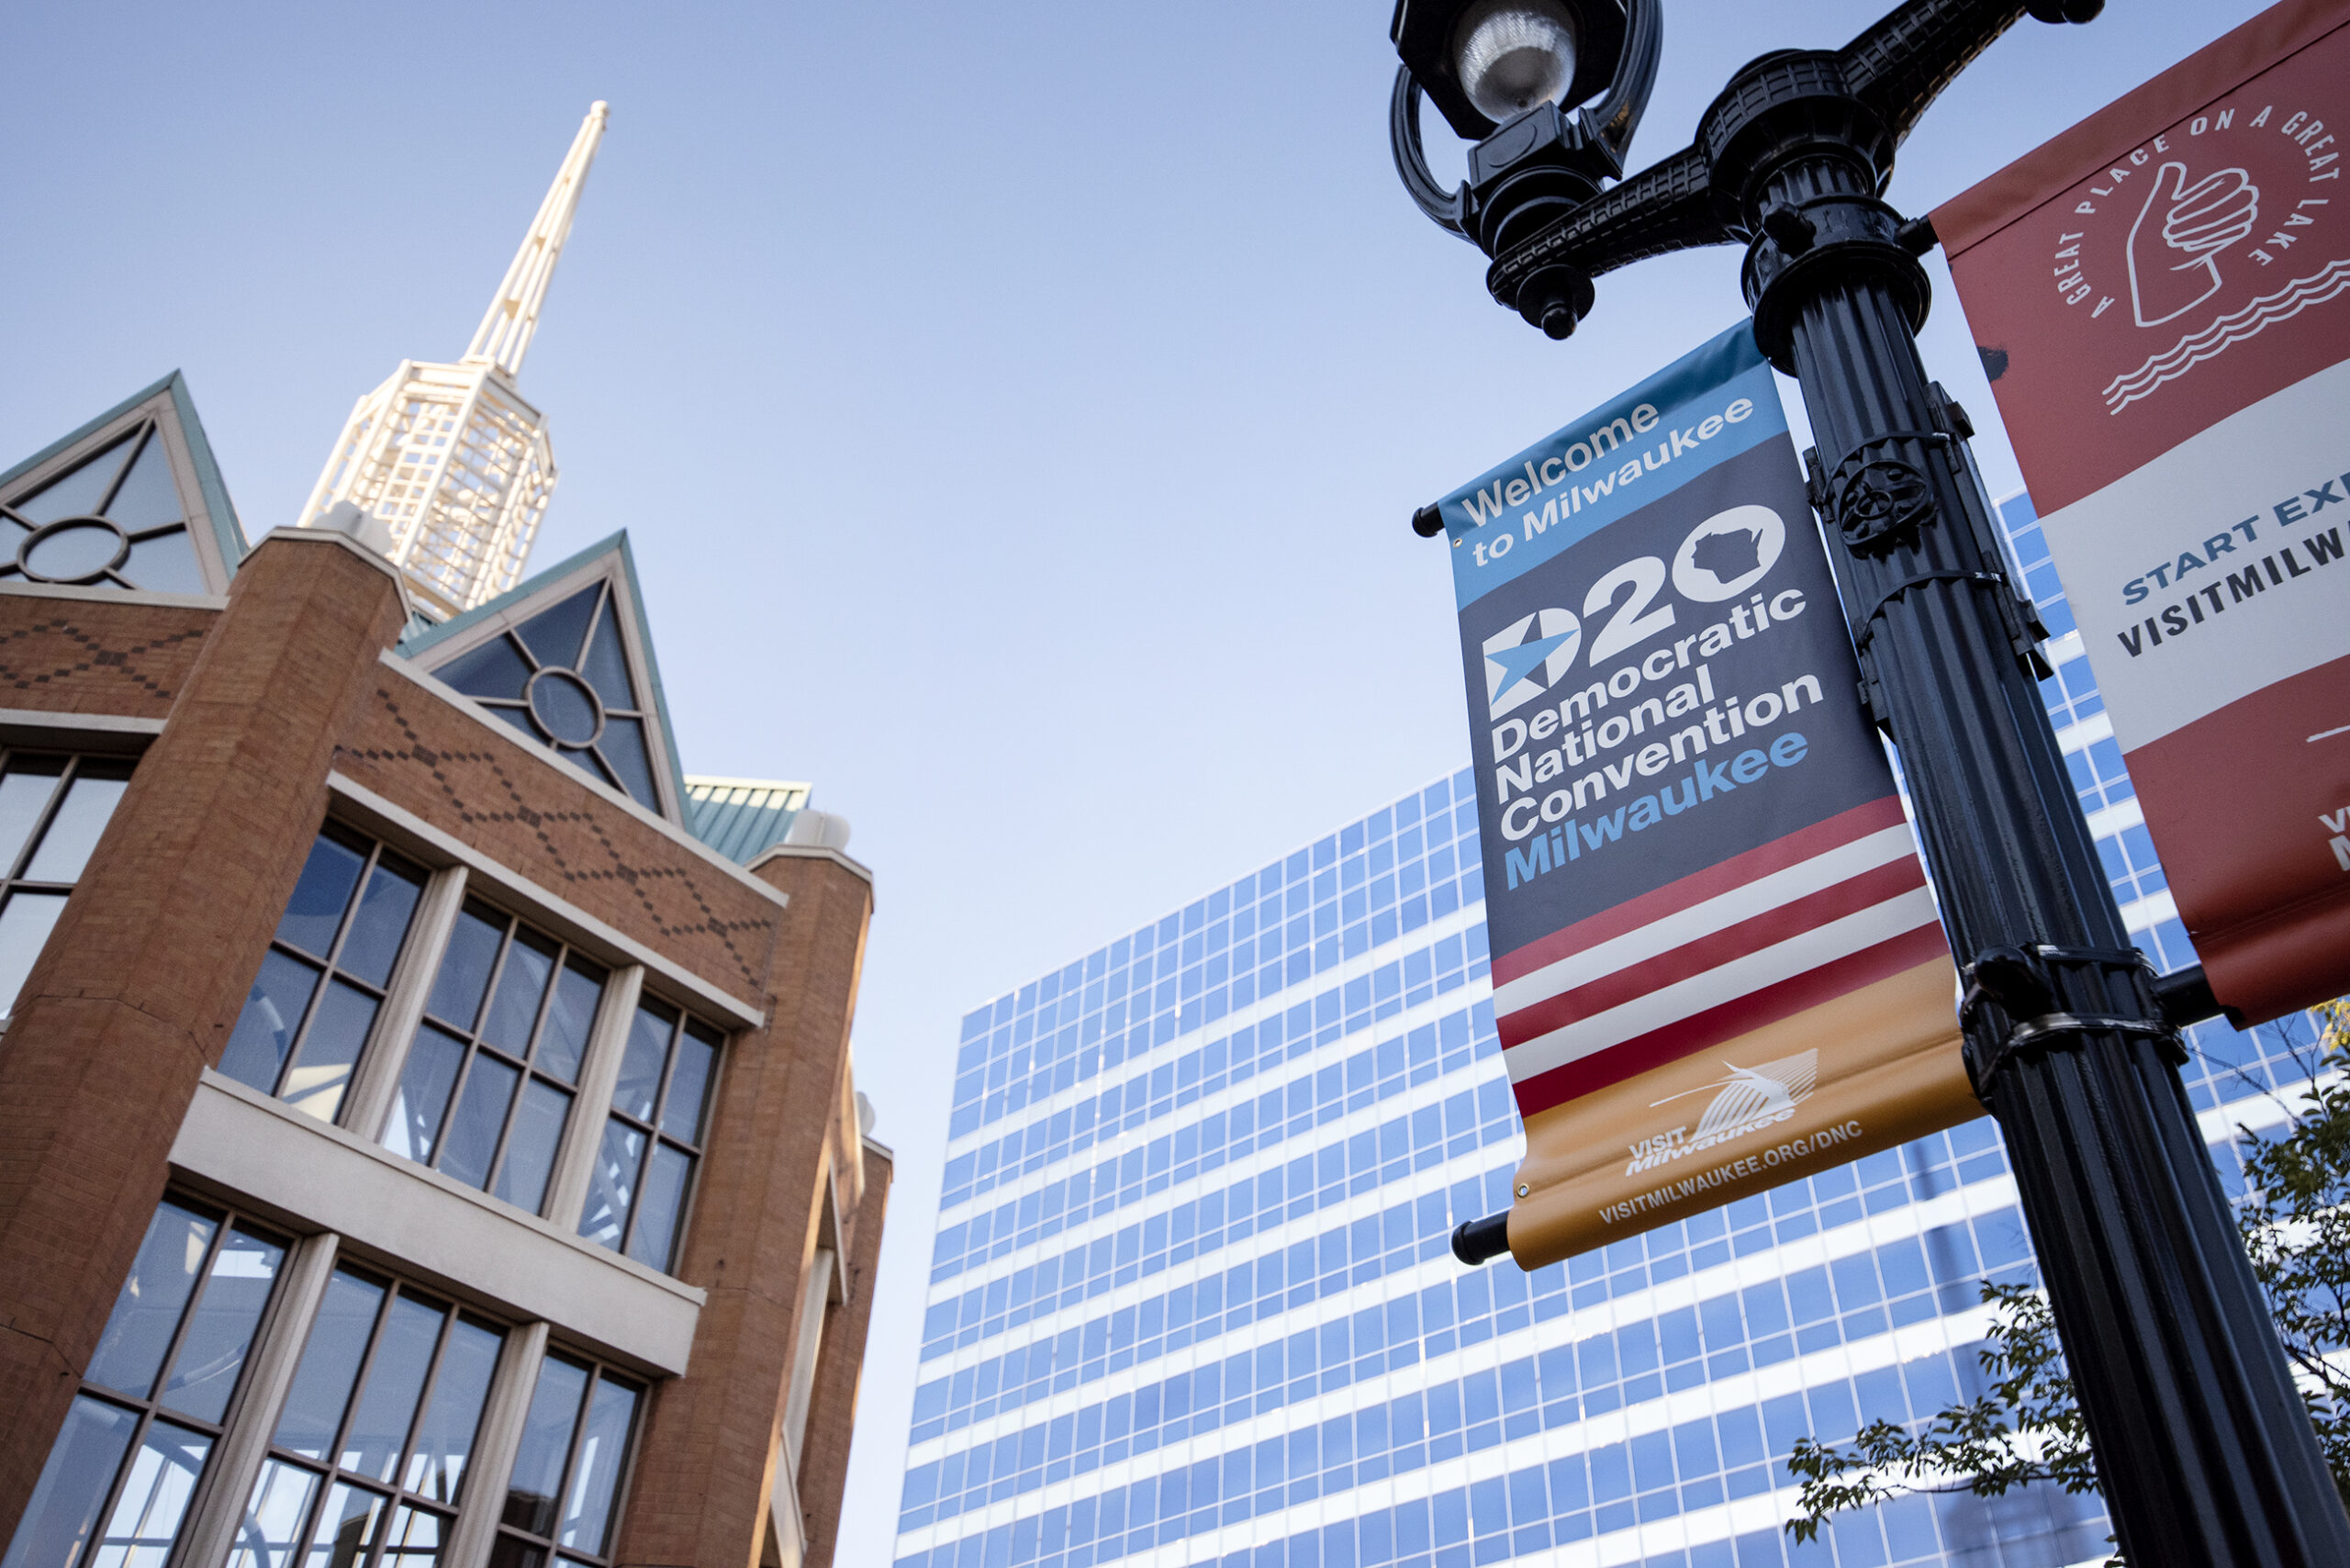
(2017, 980)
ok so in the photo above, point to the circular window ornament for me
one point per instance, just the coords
(74, 550)
(564, 708)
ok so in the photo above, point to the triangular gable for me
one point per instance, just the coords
(741, 817)
(567, 659)
(132, 499)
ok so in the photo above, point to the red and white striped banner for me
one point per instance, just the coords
(1719, 954)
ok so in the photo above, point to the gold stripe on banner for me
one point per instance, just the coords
(1872, 1069)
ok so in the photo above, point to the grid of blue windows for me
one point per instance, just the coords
(1158, 1090)
(1296, 1270)
(1293, 1106)
(1028, 1438)
(1279, 1078)
(1737, 1452)
(1364, 887)
(1850, 1298)
(1570, 1498)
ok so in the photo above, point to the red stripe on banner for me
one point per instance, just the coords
(1695, 888)
(1687, 1037)
(1713, 949)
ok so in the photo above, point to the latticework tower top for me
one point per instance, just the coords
(449, 457)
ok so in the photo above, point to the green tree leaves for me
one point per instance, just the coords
(2027, 1427)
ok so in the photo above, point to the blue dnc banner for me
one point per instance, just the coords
(1715, 956)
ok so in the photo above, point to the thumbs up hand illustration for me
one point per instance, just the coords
(2175, 258)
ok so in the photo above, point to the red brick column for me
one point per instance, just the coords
(139, 989)
(831, 1410)
(700, 1496)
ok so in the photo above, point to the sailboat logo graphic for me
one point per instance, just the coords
(1751, 1094)
(1749, 1099)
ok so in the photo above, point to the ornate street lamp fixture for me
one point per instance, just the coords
(2205, 1454)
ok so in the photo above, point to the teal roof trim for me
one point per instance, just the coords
(741, 817)
(227, 531)
(652, 665)
(433, 633)
(419, 642)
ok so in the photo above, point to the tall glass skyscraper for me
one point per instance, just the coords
(1191, 1300)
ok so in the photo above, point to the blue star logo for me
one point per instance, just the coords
(1525, 659)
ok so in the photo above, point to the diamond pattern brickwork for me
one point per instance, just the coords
(525, 812)
(93, 657)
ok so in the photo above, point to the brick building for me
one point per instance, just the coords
(426, 1125)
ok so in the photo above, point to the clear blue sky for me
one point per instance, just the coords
(1017, 408)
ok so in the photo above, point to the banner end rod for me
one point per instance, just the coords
(1476, 1241)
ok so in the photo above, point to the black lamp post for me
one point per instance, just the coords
(2205, 1452)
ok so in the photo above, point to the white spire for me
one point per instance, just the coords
(449, 457)
(504, 335)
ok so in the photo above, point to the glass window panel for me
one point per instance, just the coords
(515, 1008)
(494, 669)
(381, 924)
(146, 1519)
(444, 1442)
(510, 1553)
(612, 1183)
(147, 1309)
(665, 1199)
(517, 717)
(77, 552)
(212, 1352)
(572, 1013)
(80, 816)
(537, 1475)
(25, 926)
(77, 494)
(147, 498)
(554, 635)
(471, 1141)
(273, 1519)
(625, 748)
(607, 664)
(430, 1071)
(414, 1540)
(690, 1084)
(564, 710)
(378, 1436)
(72, 1486)
(315, 912)
(24, 795)
(465, 964)
(595, 1483)
(329, 1365)
(530, 1148)
(330, 1050)
(345, 1524)
(639, 1089)
(165, 564)
(264, 1031)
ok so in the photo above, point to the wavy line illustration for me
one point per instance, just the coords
(2234, 328)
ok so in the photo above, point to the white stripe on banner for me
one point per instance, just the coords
(1726, 983)
(1722, 910)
